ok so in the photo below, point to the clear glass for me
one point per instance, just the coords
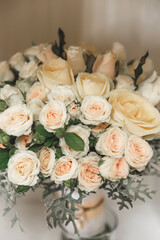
(108, 232)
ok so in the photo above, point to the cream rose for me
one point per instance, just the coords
(5, 73)
(114, 169)
(22, 141)
(37, 91)
(65, 168)
(23, 168)
(35, 105)
(150, 89)
(29, 70)
(74, 110)
(55, 72)
(135, 113)
(89, 178)
(138, 152)
(81, 131)
(75, 59)
(124, 82)
(53, 115)
(106, 64)
(17, 61)
(95, 84)
(62, 93)
(16, 120)
(112, 142)
(32, 52)
(46, 54)
(119, 51)
(94, 110)
(47, 160)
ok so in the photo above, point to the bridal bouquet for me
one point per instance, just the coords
(73, 121)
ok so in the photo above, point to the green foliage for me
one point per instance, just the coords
(74, 141)
(100, 162)
(12, 151)
(58, 48)
(4, 158)
(3, 105)
(60, 132)
(92, 141)
(71, 183)
(38, 138)
(58, 152)
(22, 189)
(41, 130)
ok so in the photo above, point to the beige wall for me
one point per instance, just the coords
(136, 23)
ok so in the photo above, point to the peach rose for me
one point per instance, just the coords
(46, 54)
(88, 173)
(37, 91)
(55, 72)
(47, 160)
(94, 110)
(112, 142)
(138, 152)
(74, 110)
(114, 169)
(65, 168)
(95, 84)
(105, 64)
(22, 141)
(53, 115)
(135, 113)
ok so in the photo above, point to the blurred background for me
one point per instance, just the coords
(136, 24)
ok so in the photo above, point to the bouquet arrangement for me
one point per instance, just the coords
(75, 121)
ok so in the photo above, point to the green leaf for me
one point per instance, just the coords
(70, 183)
(60, 132)
(58, 152)
(40, 129)
(49, 142)
(22, 189)
(4, 158)
(12, 151)
(34, 147)
(100, 162)
(58, 49)
(38, 138)
(3, 105)
(74, 141)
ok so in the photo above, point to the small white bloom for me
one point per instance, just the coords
(119, 51)
(23, 85)
(35, 105)
(23, 168)
(62, 93)
(74, 110)
(81, 131)
(29, 70)
(11, 95)
(37, 91)
(22, 141)
(65, 168)
(17, 61)
(16, 120)
(47, 161)
(95, 109)
(6, 75)
(53, 115)
(125, 82)
(32, 52)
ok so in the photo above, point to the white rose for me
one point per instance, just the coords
(16, 120)
(15, 99)
(53, 115)
(62, 93)
(150, 89)
(55, 72)
(6, 75)
(46, 54)
(95, 109)
(124, 82)
(114, 169)
(33, 51)
(95, 84)
(23, 168)
(29, 70)
(81, 131)
(17, 61)
(138, 152)
(11, 95)
(112, 142)
(74, 110)
(37, 91)
(89, 178)
(47, 160)
(35, 105)
(65, 168)
(75, 59)
(22, 141)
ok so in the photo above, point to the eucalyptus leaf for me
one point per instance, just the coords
(74, 141)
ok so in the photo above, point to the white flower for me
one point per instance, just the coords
(74, 110)
(23, 85)
(95, 109)
(53, 115)
(150, 89)
(35, 105)
(16, 120)
(119, 51)
(11, 95)
(47, 160)
(65, 168)
(6, 74)
(114, 169)
(23, 168)
(62, 93)
(17, 61)
(46, 54)
(112, 142)
(89, 178)
(75, 59)
(124, 82)
(138, 152)
(33, 51)
(29, 70)
(37, 91)
(22, 141)
(81, 131)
